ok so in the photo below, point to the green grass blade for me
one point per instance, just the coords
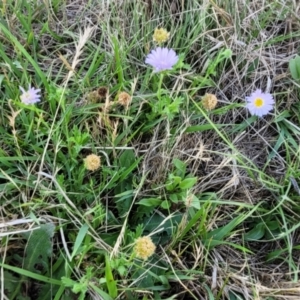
(14, 40)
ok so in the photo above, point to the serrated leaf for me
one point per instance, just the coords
(79, 287)
(67, 281)
(39, 248)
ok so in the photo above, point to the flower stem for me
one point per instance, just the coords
(161, 76)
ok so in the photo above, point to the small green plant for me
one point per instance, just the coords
(166, 104)
(177, 190)
(76, 141)
(80, 287)
(294, 66)
(36, 259)
(166, 107)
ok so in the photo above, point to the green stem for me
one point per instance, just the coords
(161, 76)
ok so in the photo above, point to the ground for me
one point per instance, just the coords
(214, 190)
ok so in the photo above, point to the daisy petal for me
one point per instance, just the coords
(31, 96)
(259, 103)
(162, 59)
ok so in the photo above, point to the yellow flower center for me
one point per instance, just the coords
(258, 102)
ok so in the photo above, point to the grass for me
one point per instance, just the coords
(216, 191)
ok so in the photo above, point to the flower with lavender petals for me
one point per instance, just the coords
(162, 59)
(260, 103)
(31, 96)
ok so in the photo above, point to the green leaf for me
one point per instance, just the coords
(294, 65)
(127, 158)
(243, 125)
(282, 116)
(81, 234)
(234, 296)
(104, 295)
(180, 166)
(110, 282)
(172, 182)
(39, 248)
(174, 198)
(122, 270)
(276, 254)
(209, 292)
(173, 108)
(217, 236)
(151, 202)
(129, 165)
(204, 127)
(55, 292)
(10, 283)
(195, 202)
(159, 221)
(273, 225)
(67, 282)
(30, 274)
(256, 233)
(188, 183)
(165, 204)
(79, 287)
(14, 40)
(118, 59)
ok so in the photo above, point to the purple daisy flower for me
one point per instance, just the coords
(260, 103)
(31, 96)
(162, 59)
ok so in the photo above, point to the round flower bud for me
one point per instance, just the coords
(160, 35)
(144, 247)
(209, 101)
(124, 99)
(92, 162)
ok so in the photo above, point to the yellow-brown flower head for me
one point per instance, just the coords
(97, 96)
(92, 97)
(124, 99)
(209, 101)
(160, 35)
(144, 247)
(92, 162)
